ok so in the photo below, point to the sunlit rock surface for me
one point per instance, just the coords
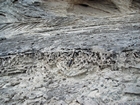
(69, 52)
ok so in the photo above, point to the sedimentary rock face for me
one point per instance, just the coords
(87, 56)
(122, 5)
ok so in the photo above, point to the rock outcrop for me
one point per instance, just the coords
(121, 5)
(55, 52)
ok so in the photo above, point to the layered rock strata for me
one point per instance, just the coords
(51, 56)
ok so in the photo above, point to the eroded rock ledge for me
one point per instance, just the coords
(121, 5)
(69, 53)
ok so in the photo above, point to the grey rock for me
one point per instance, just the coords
(61, 103)
(86, 101)
(56, 53)
(132, 90)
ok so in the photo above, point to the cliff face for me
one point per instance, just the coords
(67, 7)
(59, 52)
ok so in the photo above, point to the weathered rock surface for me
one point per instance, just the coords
(52, 56)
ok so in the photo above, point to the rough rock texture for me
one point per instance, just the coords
(55, 53)
(121, 5)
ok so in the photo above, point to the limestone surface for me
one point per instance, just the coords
(58, 52)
